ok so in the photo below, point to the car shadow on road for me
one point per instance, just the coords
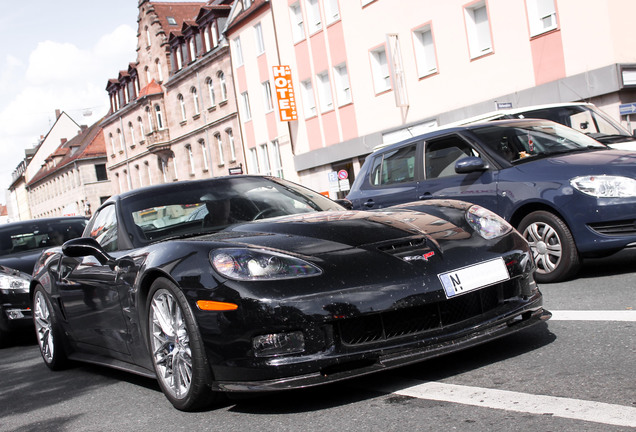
(369, 387)
(622, 262)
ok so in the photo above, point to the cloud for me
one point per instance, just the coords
(57, 76)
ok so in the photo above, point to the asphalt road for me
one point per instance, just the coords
(577, 373)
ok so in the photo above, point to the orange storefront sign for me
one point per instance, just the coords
(285, 93)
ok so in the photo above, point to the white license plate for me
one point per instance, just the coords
(473, 277)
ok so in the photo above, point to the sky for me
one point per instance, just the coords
(58, 55)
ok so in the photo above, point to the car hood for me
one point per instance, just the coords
(22, 261)
(611, 161)
(323, 232)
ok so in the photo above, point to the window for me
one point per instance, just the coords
(195, 101)
(159, 117)
(313, 16)
(253, 161)
(132, 134)
(164, 170)
(147, 36)
(149, 115)
(425, 51)
(171, 21)
(112, 143)
(121, 140)
(140, 177)
(158, 68)
(296, 17)
(260, 44)
(267, 96)
(247, 112)
(219, 145)
(309, 103)
(190, 158)
(324, 92)
(277, 161)
(264, 158)
(149, 173)
(104, 228)
(332, 14)
(100, 172)
(442, 155)
(210, 84)
(397, 166)
(343, 90)
(230, 139)
(182, 106)
(192, 48)
(238, 52)
(380, 70)
(141, 128)
(221, 77)
(215, 36)
(179, 59)
(247, 4)
(541, 16)
(148, 77)
(204, 152)
(478, 29)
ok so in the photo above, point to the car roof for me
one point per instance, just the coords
(511, 111)
(10, 225)
(447, 129)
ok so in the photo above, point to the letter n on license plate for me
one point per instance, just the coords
(473, 277)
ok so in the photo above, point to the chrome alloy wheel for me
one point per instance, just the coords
(43, 327)
(545, 244)
(170, 344)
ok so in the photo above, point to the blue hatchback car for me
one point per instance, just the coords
(570, 196)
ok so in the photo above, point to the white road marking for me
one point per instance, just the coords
(578, 315)
(597, 412)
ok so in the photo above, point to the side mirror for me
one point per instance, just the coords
(470, 164)
(345, 203)
(86, 246)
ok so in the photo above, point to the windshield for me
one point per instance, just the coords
(212, 205)
(521, 141)
(581, 118)
(32, 235)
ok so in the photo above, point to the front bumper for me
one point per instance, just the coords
(332, 366)
(15, 310)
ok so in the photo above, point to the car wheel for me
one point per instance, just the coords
(48, 331)
(552, 245)
(176, 349)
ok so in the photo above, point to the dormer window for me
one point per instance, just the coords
(171, 21)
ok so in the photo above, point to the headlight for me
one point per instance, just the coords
(605, 186)
(486, 223)
(16, 283)
(250, 264)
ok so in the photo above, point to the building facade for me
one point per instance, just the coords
(173, 114)
(18, 202)
(72, 181)
(371, 72)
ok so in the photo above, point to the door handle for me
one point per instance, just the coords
(426, 195)
(369, 203)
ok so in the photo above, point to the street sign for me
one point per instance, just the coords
(503, 105)
(627, 109)
(343, 174)
(285, 93)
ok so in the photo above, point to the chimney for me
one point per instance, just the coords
(63, 140)
(57, 114)
(83, 128)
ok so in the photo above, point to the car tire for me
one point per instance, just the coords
(176, 349)
(552, 244)
(48, 331)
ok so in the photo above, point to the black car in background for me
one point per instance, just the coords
(249, 283)
(21, 243)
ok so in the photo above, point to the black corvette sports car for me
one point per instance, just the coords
(247, 283)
